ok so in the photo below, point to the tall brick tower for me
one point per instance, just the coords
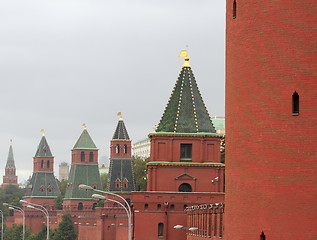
(84, 170)
(43, 188)
(271, 100)
(185, 149)
(121, 170)
(10, 177)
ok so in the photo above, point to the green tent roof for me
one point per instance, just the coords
(85, 141)
(185, 111)
(10, 160)
(43, 150)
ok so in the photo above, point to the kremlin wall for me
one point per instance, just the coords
(270, 180)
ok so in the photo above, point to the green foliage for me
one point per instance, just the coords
(58, 203)
(66, 229)
(222, 149)
(12, 195)
(15, 232)
(140, 173)
(38, 236)
(104, 180)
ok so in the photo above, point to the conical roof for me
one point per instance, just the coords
(185, 111)
(43, 150)
(121, 132)
(10, 160)
(85, 141)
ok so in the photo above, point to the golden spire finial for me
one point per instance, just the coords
(120, 115)
(85, 126)
(184, 54)
(11, 141)
(43, 132)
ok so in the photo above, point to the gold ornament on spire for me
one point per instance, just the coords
(85, 126)
(11, 141)
(184, 54)
(43, 132)
(120, 115)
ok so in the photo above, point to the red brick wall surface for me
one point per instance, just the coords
(270, 154)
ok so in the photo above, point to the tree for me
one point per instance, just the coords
(58, 203)
(140, 172)
(66, 229)
(223, 149)
(104, 180)
(15, 232)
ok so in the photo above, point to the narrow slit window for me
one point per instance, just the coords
(91, 157)
(125, 149)
(295, 103)
(160, 230)
(48, 165)
(234, 9)
(117, 148)
(262, 236)
(82, 157)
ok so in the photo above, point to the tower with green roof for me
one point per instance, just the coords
(185, 149)
(43, 187)
(84, 170)
(10, 177)
(121, 169)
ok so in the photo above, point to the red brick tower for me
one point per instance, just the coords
(121, 170)
(10, 177)
(271, 117)
(185, 155)
(43, 187)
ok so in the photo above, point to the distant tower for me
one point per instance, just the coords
(43, 186)
(271, 118)
(63, 171)
(121, 170)
(10, 177)
(185, 149)
(84, 170)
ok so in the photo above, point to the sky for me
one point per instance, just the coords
(65, 63)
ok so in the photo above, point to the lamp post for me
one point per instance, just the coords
(15, 208)
(47, 220)
(127, 208)
(186, 228)
(98, 196)
(1, 225)
(44, 210)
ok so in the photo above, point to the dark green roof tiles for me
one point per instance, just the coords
(186, 111)
(10, 160)
(43, 150)
(121, 132)
(85, 141)
(42, 184)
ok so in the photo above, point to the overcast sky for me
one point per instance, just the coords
(65, 63)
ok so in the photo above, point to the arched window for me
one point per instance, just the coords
(42, 188)
(159, 206)
(42, 163)
(48, 164)
(160, 230)
(234, 9)
(262, 236)
(146, 206)
(117, 148)
(80, 206)
(50, 189)
(94, 206)
(185, 187)
(91, 157)
(295, 103)
(82, 157)
(125, 149)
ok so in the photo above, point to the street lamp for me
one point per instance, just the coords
(186, 228)
(127, 208)
(15, 208)
(44, 210)
(47, 220)
(1, 225)
(101, 197)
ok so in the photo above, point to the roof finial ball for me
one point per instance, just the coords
(120, 115)
(43, 132)
(184, 54)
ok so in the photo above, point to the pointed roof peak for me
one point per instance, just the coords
(121, 132)
(10, 160)
(85, 141)
(43, 150)
(186, 111)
